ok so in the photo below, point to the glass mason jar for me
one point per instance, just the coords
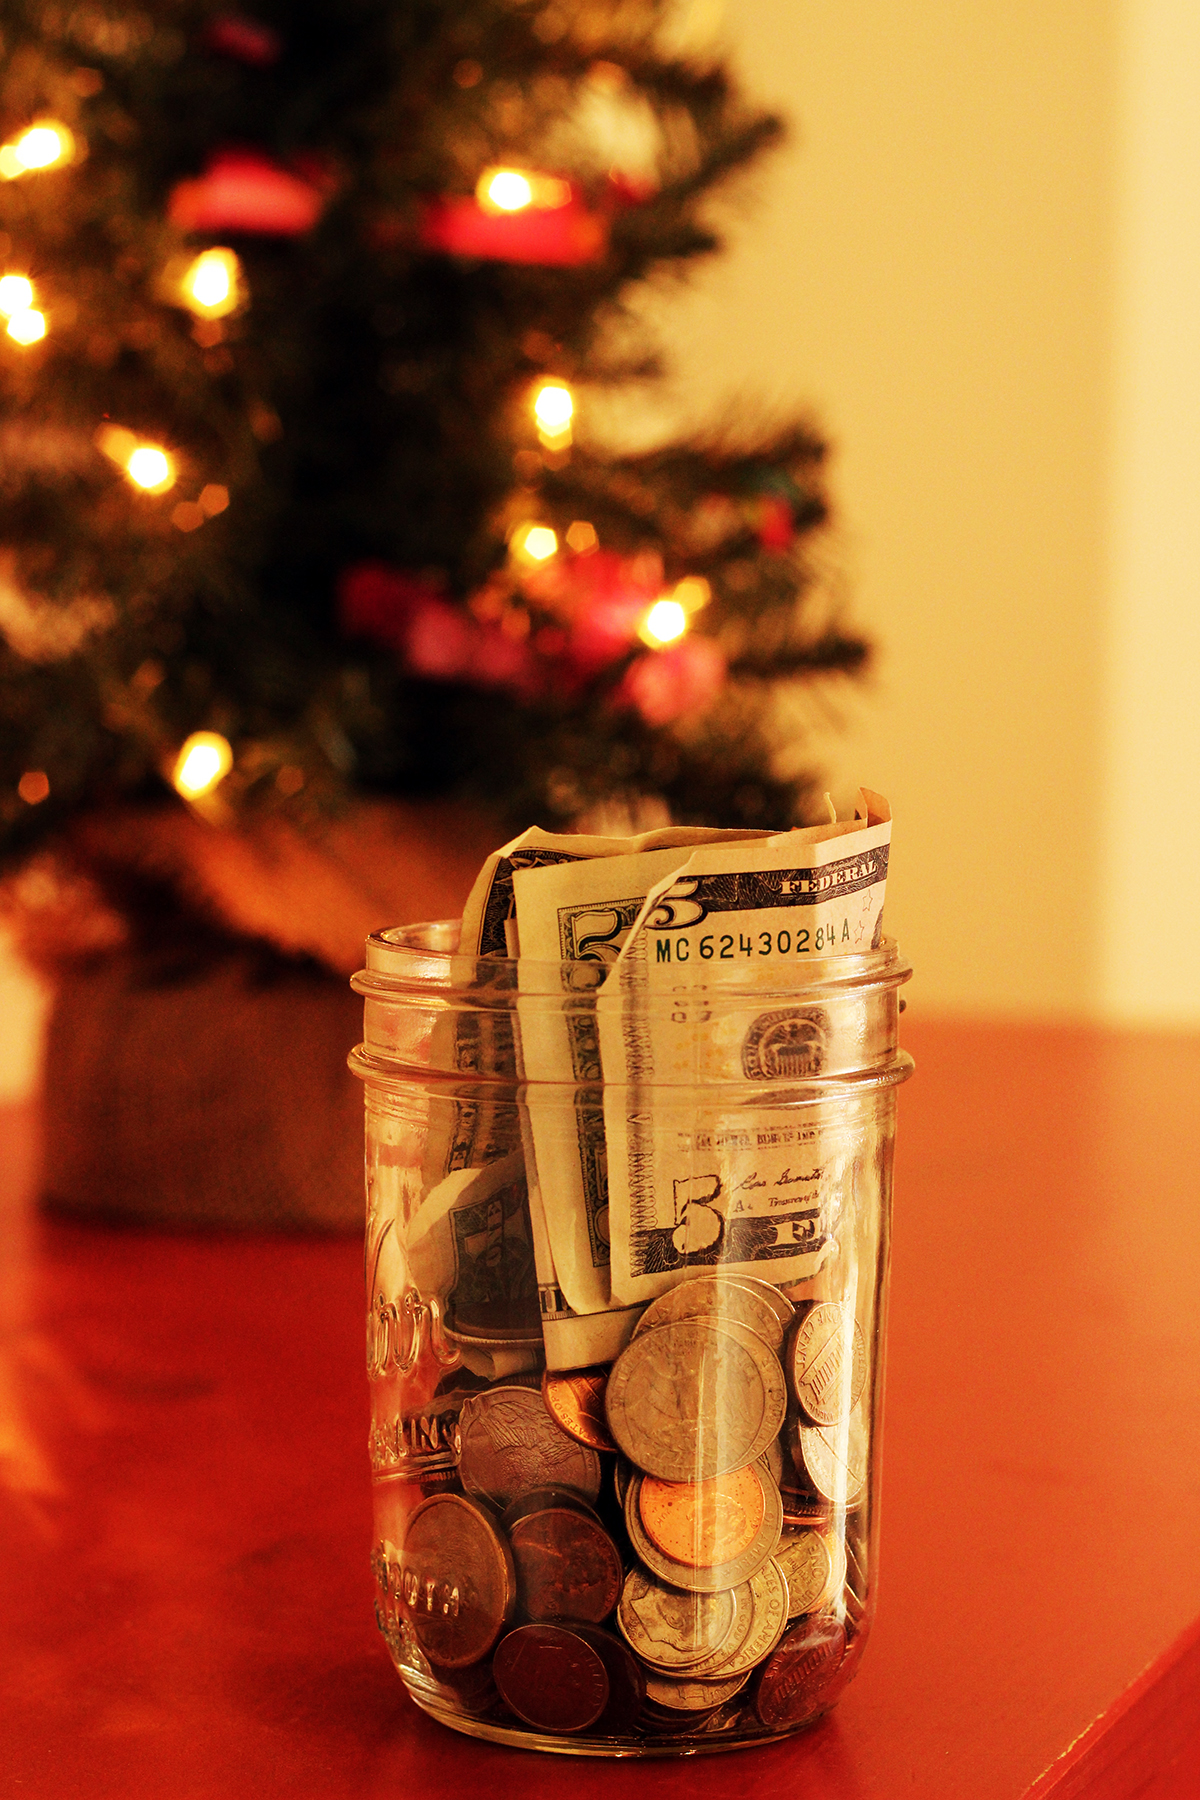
(626, 1263)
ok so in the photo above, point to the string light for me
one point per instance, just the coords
(43, 146)
(554, 408)
(504, 190)
(147, 465)
(16, 295)
(582, 537)
(512, 190)
(25, 324)
(205, 760)
(150, 469)
(211, 286)
(537, 543)
(665, 622)
(34, 787)
(27, 327)
(667, 619)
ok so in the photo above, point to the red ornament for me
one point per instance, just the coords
(553, 236)
(601, 599)
(244, 191)
(432, 636)
(377, 601)
(666, 684)
(776, 523)
(244, 40)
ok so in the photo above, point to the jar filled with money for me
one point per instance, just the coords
(629, 1159)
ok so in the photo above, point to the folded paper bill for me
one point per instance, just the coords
(689, 1188)
(690, 941)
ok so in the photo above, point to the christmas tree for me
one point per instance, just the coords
(302, 318)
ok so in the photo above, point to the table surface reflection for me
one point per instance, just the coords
(184, 1586)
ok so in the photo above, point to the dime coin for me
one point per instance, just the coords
(721, 1576)
(694, 1399)
(567, 1566)
(834, 1457)
(576, 1402)
(551, 1678)
(703, 1522)
(457, 1583)
(767, 1604)
(714, 1297)
(798, 1676)
(806, 1562)
(510, 1444)
(827, 1363)
(685, 1695)
(626, 1681)
(668, 1629)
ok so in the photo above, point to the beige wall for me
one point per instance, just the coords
(930, 265)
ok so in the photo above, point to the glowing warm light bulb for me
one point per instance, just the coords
(504, 190)
(34, 787)
(537, 542)
(553, 406)
(150, 468)
(665, 622)
(205, 759)
(16, 295)
(692, 593)
(212, 283)
(43, 145)
(27, 327)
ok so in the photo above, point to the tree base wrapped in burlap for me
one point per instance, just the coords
(215, 1094)
(195, 1069)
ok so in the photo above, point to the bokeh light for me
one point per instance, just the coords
(664, 623)
(150, 469)
(204, 761)
(212, 284)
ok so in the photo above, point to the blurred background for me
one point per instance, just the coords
(977, 263)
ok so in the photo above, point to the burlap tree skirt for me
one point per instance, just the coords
(217, 1095)
(195, 1069)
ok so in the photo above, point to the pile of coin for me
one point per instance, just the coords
(668, 1546)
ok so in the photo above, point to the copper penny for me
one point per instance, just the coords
(827, 1363)
(567, 1566)
(457, 1583)
(576, 1402)
(509, 1444)
(626, 1681)
(536, 1498)
(551, 1678)
(807, 1565)
(694, 1399)
(798, 1676)
(703, 1522)
(698, 1578)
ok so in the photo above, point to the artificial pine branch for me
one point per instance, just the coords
(363, 417)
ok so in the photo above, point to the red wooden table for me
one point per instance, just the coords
(185, 1602)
